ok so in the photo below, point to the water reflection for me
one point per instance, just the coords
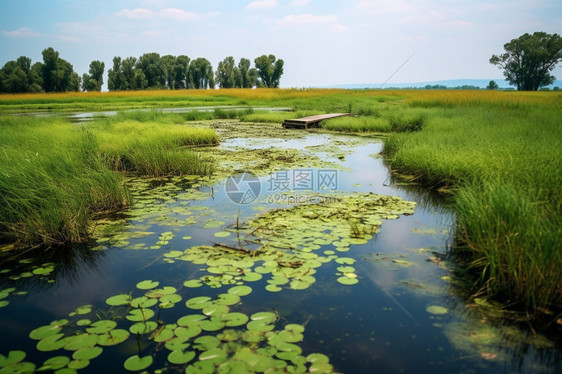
(69, 266)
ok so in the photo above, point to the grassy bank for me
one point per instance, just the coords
(502, 156)
(55, 176)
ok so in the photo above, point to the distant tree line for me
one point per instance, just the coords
(149, 71)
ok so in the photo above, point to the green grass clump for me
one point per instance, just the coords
(56, 176)
(358, 124)
(153, 148)
(52, 181)
(505, 166)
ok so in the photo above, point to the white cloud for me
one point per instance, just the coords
(174, 13)
(168, 13)
(459, 23)
(306, 19)
(409, 39)
(23, 32)
(379, 7)
(137, 13)
(299, 2)
(430, 16)
(261, 4)
(338, 28)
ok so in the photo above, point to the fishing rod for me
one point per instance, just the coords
(397, 70)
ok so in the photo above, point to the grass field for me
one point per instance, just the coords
(499, 153)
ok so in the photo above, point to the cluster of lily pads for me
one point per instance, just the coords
(211, 339)
(41, 271)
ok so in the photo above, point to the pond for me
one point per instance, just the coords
(301, 253)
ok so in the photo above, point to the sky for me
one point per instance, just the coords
(322, 42)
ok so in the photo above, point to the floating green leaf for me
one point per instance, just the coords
(44, 331)
(140, 328)
(117, 300)
(14, 357)
(436, 309)
(348, 281)
(179, 357)
(101, 327)
(76, 342)
(114, 337)
(138, 315)
(240, 290)
(54, 363)
(235, 319)
(147, 285)
(204, 343)
(87, 353)
(136, 363)
(198, 302)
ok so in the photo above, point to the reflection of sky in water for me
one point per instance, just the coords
(378, 325)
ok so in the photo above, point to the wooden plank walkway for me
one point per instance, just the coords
(303, 123)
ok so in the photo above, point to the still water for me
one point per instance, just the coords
(395, 311)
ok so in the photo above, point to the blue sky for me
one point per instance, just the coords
(322, 42)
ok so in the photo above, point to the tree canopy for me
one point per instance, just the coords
(149, 71)
(529, 59)
(269, 70)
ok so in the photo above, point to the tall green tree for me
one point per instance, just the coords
(180, 72)
(94, 80)
(128, 70)
(246, 76)
(168, 62)
(201, 75)
(269, 70)
(529, 59)
(115, 78)
(226, 73)
(13, 78)
(58, 74)
(151, 66)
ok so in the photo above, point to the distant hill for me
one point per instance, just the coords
(480, 83)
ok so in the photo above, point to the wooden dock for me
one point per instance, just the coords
(305, 122)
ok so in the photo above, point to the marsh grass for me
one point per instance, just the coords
(153, 148)
(358, 124)
(56, 176)
(504, 164)
(52, 181)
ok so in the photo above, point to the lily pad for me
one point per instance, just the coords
(14, 357)
(138, 315)
(114, 337)
(101, 327)
(87, 353)
(235, 319)
(222, 234)
(143, 327)
(240, 290)
(136, 363)
(55, 363)
(436, 309)
(201, 367)
(204, 343)
(198, 302)
(348, 281)
(147, 285)
(179, 357)
(118, 300)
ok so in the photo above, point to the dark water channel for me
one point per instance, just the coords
(402, 316)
